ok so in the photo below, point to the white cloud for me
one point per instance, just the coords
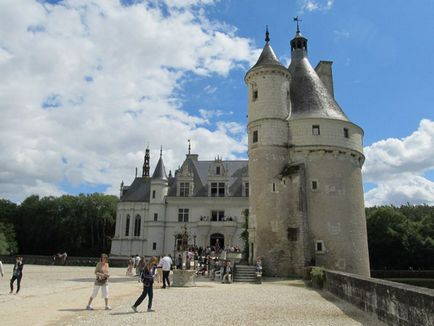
(87, 85)
(314, 5)
(397, 167)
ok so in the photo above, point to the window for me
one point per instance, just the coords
(183, 214)
(137, 223)
(153, 193)
(315, 130)
(154, 246)
(292, 234)
(319, 247)
(217, 170)
(255, 136)
(346, 133)
(127, 226)
(246, 190)
(217, 189)
(255, 94)
(217, 216)
(274, 187)
(155, 217)
(314, 185)
(184, 189)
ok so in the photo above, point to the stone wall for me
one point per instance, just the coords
(393, 303)
(71, 261)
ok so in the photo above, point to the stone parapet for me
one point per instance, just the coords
(393, 303)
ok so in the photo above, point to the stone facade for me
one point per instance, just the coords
(207, 199)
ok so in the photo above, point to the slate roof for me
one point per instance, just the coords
(140, 189)
(200, 170)
(309, 97)
(160, 170)
(267, 58)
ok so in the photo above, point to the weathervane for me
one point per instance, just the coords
(296, 19)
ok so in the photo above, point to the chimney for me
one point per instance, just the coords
(324, 71)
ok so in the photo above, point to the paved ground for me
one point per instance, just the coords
(57, 295)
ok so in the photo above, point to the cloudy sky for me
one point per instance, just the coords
(86, 85)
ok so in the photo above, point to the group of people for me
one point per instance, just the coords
(146, 276)
(17, 273)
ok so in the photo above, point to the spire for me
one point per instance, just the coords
(121, 189)
(267, 56)
(145, 172)
(267, 34)
(160, 170)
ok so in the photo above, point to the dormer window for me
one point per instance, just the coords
(184, 189)
(217, 170)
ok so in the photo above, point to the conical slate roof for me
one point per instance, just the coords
(267, 57)
(160, 171)
(309, 97)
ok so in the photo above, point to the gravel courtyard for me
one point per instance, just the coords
(57, 295)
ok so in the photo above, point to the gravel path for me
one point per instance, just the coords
(57, 295)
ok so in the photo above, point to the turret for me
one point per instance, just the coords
(159, 181)
(268, 108)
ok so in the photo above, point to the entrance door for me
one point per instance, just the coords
(217, 240)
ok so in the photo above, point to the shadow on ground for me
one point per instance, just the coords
(111, 280)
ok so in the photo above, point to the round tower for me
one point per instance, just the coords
(268, 108)
(330, 148)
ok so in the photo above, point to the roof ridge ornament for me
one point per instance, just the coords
(267, 34)
(189, 146)
(161, 151)
(296, 19)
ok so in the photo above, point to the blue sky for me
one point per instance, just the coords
(85, 86)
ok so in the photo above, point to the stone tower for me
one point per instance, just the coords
(305, 160)
(268, 109)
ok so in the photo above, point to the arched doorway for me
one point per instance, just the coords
(217, 240)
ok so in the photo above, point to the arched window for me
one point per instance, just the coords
(127, 226)
(137, 223)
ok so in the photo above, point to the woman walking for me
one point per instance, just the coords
(148, 282)
(102, 275)
(17, 274)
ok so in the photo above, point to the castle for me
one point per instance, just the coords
(303, 187)
(202, 205)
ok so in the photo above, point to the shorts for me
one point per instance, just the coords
(104, 291)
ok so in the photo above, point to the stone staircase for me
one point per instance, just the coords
(245, 273)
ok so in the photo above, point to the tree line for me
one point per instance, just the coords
(81, 225)
(398, 237)
(401, 237)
